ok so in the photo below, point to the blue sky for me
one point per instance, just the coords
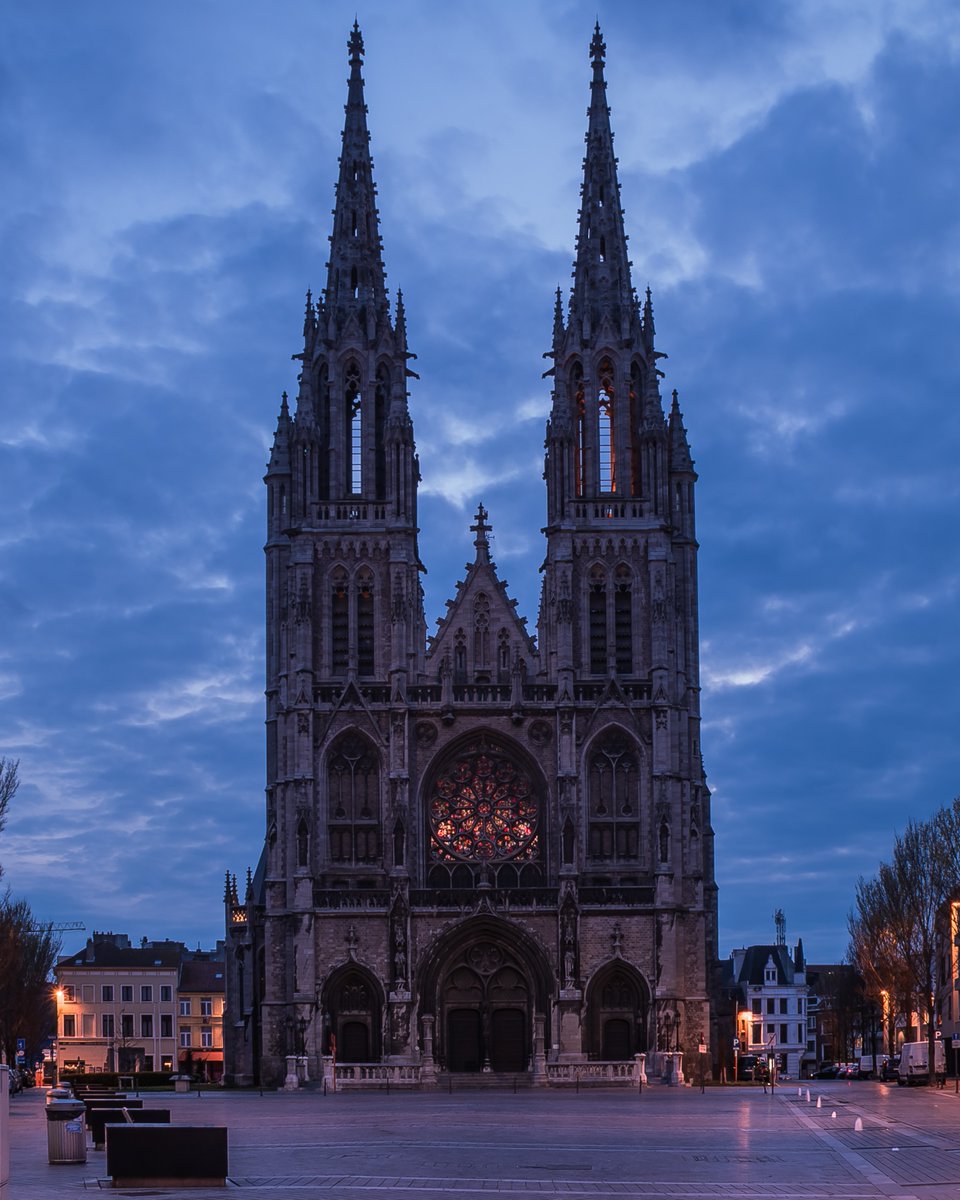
(790, 175)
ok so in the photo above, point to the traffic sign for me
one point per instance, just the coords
(736, 1043)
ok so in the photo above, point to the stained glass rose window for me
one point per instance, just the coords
(483, 808)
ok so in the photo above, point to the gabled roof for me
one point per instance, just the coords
(481, 578)
(755, 962)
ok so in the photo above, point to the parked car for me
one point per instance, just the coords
(828, 1070)
(890, 1071)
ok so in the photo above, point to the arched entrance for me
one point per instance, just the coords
(486, 1011)
(352, 1001)
(618, 1010)
(485, 981)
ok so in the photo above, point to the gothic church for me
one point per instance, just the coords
(484, 852)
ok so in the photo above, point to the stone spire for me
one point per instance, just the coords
(602, 291)
(356, 280)
(680, 459)
(481, 529)
(280, 454)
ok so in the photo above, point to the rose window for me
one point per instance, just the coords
(483, 809)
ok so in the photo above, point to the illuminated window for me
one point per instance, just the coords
(483, 808)
(354, 408)
(605, 432)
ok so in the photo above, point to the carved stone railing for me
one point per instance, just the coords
(378, 1075)
(336, 899)
(560, 1074)
(501, 899)
(585, 692)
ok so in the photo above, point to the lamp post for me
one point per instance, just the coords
(58, 994)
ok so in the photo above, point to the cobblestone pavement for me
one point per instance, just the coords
(666, 1142)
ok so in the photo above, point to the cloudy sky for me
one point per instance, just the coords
(791, 181)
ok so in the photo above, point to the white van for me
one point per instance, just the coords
(915, 1062)
(866, 1065)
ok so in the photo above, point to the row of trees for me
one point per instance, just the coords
(28, 951)
(898, 914)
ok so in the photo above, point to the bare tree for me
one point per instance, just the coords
(27, 955)
(9, 782)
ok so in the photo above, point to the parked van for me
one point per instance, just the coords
(866, 1065)
(915, 1063)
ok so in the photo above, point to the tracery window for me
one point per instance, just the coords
(623, 621)
(483, 808)
(580, 416)
(606, 443)
(354, 409)
(481, 632)
(613, 784)
(353, 802)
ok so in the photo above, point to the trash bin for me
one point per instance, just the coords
(66, 1137)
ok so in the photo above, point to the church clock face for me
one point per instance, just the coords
(483, 808)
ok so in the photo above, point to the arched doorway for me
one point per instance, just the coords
(352, 1002)
(618, 1009)
(485, 1010)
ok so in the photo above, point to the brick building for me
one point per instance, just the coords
(483, 851)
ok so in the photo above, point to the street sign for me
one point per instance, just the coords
(736, 1043)
(21, 1044)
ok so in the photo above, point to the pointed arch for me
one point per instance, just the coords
(597, 616)
(352, 1003)
(324, 423)
(618, 1012)
(354, 417)
(613, 770)
(636, 460)
(578, 407)
(606, 435)
(353, 802)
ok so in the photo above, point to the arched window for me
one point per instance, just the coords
(623, 621)
(460, 657)
(597, 611)
(339, 623)
(323, 415)
(636, 462)
(366, 626)
(503, 656)
(606, 443)
(353, 803)
(483, 808)
(580, 417)
(613, 801)
(303, 843)
(354, 411)
(481, 633)
(380, 420)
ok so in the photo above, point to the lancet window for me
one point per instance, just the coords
(339, 623)
(613, 801)
(623, 621)
(354, 411)
(606, 443)
(353, 803)
(580, 417)
(366, 642)
(597, 613)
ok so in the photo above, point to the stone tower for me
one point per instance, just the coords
(483, 852)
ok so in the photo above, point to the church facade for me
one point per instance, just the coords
(484, 852)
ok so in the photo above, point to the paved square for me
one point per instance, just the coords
(666, 1142)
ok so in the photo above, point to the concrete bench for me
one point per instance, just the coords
(119, 1116)
(167, 1155)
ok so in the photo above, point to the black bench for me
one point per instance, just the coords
(167, 1155)
(118, 1116)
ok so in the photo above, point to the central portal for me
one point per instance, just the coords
(485, 997)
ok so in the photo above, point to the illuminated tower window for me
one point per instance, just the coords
(605, 438)
(354, 429)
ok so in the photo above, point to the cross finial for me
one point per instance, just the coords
(598, 47)
(481, 528)
(355, 45)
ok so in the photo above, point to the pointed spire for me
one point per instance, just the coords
(602, 291)
(355, 275)
(558, 326)
(248, 894)
(648, 327)
(280, 453)
(680, 459)
(226, 889)
(400, 323)
(481, 529)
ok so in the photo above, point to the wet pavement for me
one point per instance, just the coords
(726, 1142)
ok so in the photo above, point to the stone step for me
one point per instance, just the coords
(475, 1080)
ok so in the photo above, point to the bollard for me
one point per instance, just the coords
(819, 1102)
(808, 1095)
(858, 1125)
(799, 1093)
(833, 1115)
